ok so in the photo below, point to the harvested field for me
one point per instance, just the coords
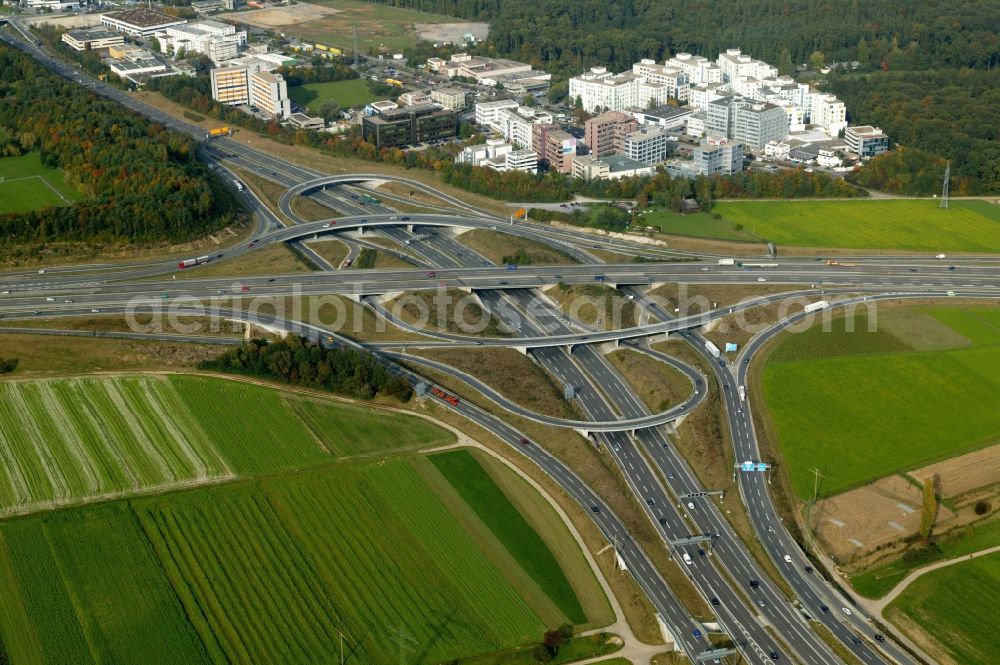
(964, 474)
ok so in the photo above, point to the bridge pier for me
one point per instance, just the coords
(409, 228)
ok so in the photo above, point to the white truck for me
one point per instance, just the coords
(816, 306)
(727, 262)
(743, 393)
(239, 185)
(713, 349)
(940, 256)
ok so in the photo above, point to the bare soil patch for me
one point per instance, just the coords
(970, 474)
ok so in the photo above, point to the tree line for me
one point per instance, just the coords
(299, 362)
(143, 183)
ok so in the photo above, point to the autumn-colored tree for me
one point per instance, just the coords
(928, 513)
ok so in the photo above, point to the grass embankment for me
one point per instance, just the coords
(512, 374)
(659, 385)
(312, 210)
(950, 607)
(25, 184)
(334, 251)
(886, 397)
(500, 247)
(698, 225)
(898, 224)
(595, 305)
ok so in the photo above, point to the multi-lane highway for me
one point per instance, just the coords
(764, 624)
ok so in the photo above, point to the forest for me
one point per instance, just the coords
(143, 184)
(568, 36)
(299, 362)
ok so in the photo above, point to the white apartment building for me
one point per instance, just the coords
(449, 98)
(517, 124)
(521, 160)
(219, 41)
(500, 156)
(734, 64)
(828, 112)
(696, 124)
(703, 94)
(486, 112)
(699, 70)
(675, 79)
(269, 94)
(414, 98)
(600, 89)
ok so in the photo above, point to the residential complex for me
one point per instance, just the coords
(754, 123)
(599, 89)
(603, 134)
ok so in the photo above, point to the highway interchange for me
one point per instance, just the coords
(748, 605)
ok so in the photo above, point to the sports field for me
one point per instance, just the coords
(275, 567)
(348, 94)
(860, 406)
(952, 604)
(27, 185)
(919, 226)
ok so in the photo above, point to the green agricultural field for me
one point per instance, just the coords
(348, 94)
(67, 440)
(698, 225)
(920, 226)
(27, 185)
(883, 406)
(952, 604)
(271, 570)
(476, 487)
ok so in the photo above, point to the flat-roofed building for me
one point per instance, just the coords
(649, 145)
(93, 39)
(409, 125)
(699, 69)
(612, 167)
(140, 22)
(866, 141)
(303, 121)
(718, 156)
(486, 112)
(414, 98)
(269, 94)
(603, 134)
(554, 146)
(219, 41)
(668, 117)
(449, 98)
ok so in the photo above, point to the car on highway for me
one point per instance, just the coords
(270, 280)
(761, 603)
(4, 293)
(808, 569)
(250, 245)
(824, 608)
(431, 273)
(649, 502)
(404, 219)
(761, 279)
(50, 300)
(329, 224)
(879, 637)
(754, 584)
(715, 602)
(244, 289)
(687, 558)
(774, 655)
(788, 558)
(525, 442)
(595, 509)
(93, 311)
(846, 610)
(951, 267)
(504, 282)
(690, 505)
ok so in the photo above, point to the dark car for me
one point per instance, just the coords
(774, 655)
(879, 638)
(218, 256)
(824, 608)
(715, 602)
(270, 280)
(595, 509)
(809, 569)
(754, 584)
(951, 267)
(525, 442)
(663, 521)
(649, 502)
(405, 219)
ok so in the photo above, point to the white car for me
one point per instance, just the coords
(846, 610)
(690, 505)
(761, 279)
(788, 559)
(4, 293)
(50, 300)
(95, 311)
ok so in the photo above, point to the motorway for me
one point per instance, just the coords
(765, 625)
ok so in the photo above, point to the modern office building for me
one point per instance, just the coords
(409, 126)
(668, 117)
(866, 141)
(269, 94)
(414, 98)
(140, 22)
(718, 157)
(603, 134)
(648, 145)
(92, 39)
(699, 70)
(516, 125)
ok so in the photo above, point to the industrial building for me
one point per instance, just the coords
(92, 39)
(140, 22)
(219, 41)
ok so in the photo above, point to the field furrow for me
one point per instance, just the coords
(69, 437)
(158, 470)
